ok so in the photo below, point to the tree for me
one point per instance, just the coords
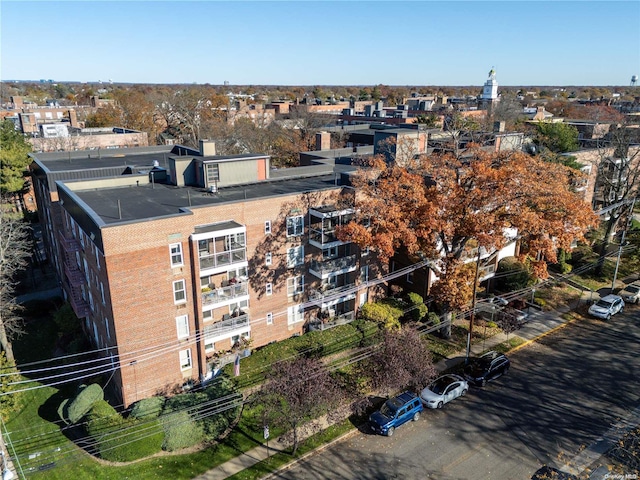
(296, 393)
(14, 251)
(108, 116)
(618, 180)
(402, 361)
(445, 208)
(556, 137)
(14, 159)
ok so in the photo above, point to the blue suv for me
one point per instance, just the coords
(396, 411)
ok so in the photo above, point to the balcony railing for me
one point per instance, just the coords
(337, 265)
(213, 260)
(222, 294)
(226, 326)
(318, 324)
(325, 291)
(322, 236)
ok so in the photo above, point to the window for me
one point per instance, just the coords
(295, 314)
(269, 318)
(176, 254)
(267, 227)
(295, 256)
(330, 252)
(185, 359)
(213, 173)
(238, 306)
(182, 324)
(268, 259)
(208, 315)
(295, 285)
(269, 289)
(364, 273)
(365, 251)
(295, 226)
(102, 293)
(410, 277)
(179, 292)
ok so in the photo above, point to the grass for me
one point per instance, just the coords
(280, 459)
(509, 345)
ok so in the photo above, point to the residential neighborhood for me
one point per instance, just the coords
(217, 280)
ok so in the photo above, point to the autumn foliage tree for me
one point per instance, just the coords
(442, 208)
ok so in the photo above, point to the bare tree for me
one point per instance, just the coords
(14, 251)
(618, 180)
(297, 392)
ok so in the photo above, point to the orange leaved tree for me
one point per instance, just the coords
(440, 206)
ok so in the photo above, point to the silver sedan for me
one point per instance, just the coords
(443, 390)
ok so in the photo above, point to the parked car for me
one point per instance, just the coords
(444, 389)
(485, 368)
(631, 293)
(607, 306)
(396, 411)
(550, 473)
(499, 301)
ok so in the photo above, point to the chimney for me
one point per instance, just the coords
(17, 102)
(323, 141)
(207, 148)
(73, 118)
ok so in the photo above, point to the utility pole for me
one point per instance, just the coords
(473, 307)
(624, 232)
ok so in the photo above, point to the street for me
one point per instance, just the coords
(560, 395)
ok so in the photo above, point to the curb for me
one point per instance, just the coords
(290, 464)
(542, 335)
(355, 430)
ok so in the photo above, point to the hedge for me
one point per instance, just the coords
(318, 343)
(180, 431)
(72, 411)
(120, 440)
(147, 408)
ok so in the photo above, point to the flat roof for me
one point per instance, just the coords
(146, 201)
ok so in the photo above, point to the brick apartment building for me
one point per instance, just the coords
(171, 255)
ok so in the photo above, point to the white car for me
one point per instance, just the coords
(607, 306)
(443, 390)
(631, 293)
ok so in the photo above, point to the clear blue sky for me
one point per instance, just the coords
(322, 43)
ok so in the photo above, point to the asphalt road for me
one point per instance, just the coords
(559, 396)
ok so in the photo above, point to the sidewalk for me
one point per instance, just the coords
(538, 325)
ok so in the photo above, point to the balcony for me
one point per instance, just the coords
(323, 223)
(320, 324)
(335, 266)
(227, 326)
(330, 291)
(222, 259)
(222, 294)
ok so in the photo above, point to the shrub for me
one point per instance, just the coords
(120, 440)
(73, 410)
(180, 431)
(417, 306)
(515, 275)
(581, 256)
(66, 320)
(385, 314)
(147, 408)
